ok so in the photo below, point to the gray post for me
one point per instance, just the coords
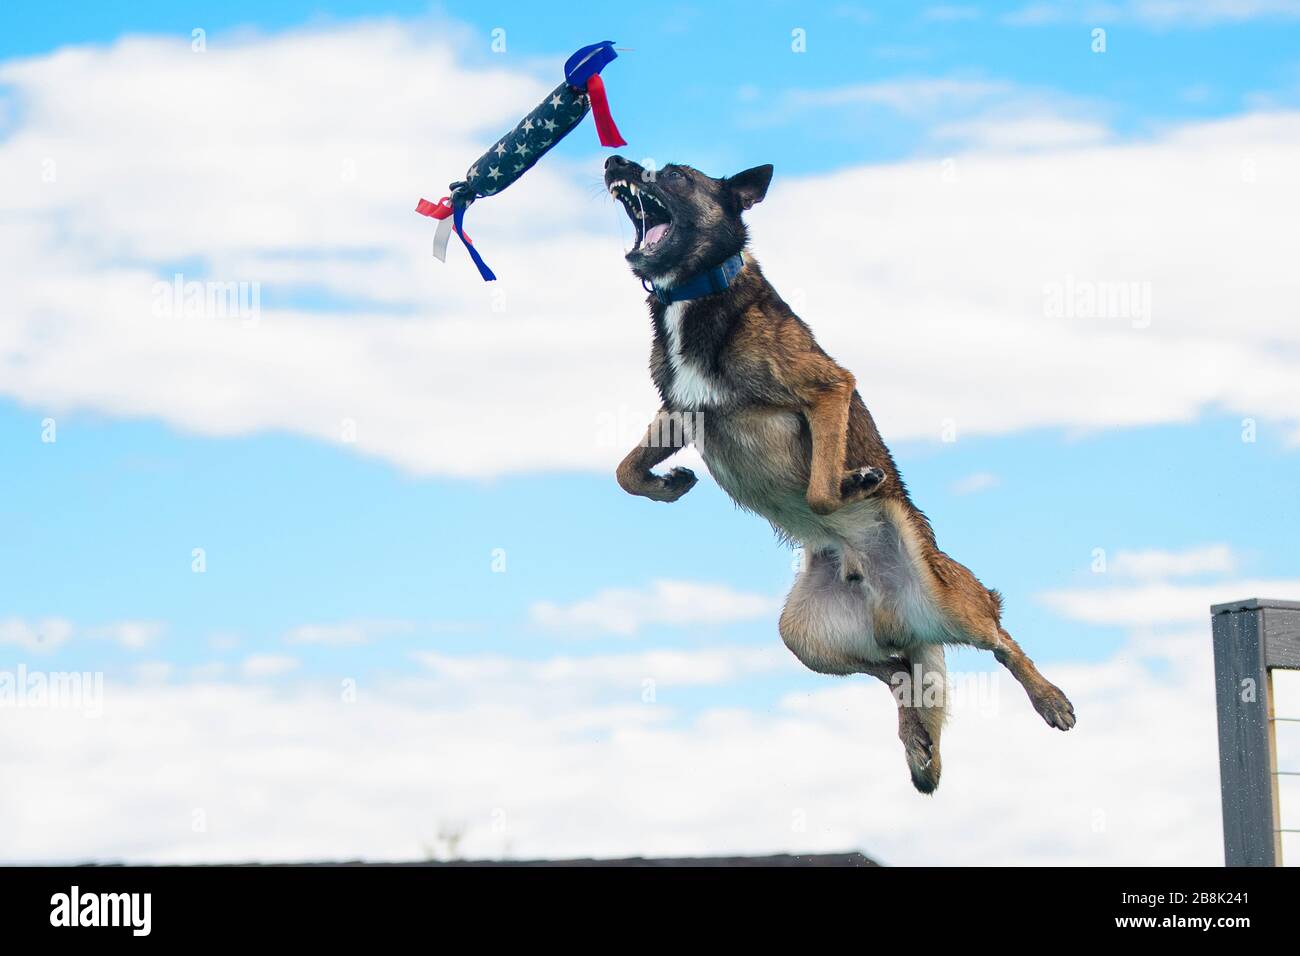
(1250, 639)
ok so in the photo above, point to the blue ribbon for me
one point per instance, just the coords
(458, 216)
(588, 61)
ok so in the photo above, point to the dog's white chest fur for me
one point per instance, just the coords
(691, 386)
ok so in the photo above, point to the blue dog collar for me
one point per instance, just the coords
(701, 284)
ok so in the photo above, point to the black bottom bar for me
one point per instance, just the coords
(331, 903)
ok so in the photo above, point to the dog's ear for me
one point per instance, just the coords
(750, 186)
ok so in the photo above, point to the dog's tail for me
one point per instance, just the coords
(932, 708)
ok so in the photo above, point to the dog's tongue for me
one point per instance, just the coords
(655, 233)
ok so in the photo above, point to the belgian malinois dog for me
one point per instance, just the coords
(784, 431)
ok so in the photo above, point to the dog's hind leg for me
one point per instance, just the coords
(1048, 699)
(977, 612)
(826, 623)
(919, 685)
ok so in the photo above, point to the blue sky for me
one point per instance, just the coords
(1073, 436)
(689, 67)
(295, 532)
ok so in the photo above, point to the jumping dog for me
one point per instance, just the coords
(784, 431)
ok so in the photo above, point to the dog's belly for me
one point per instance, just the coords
(760, 457)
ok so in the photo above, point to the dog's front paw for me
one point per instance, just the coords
(671, 486)
(861, 483)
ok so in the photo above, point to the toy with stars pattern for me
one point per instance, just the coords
(517, 152)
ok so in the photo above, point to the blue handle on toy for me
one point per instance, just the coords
(458, 217)
(587, 62)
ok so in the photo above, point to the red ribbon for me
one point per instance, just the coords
(605, 128)
(439, 210)
(434, 210)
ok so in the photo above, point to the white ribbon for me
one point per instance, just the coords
(440, 239)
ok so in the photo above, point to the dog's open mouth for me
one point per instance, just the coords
(649, 215)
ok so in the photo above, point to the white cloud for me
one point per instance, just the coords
(956, 112)
(1018, 133)
(565, 759)
(346, 632)
(908, 96)
(1156, 601)
(1146, 605)
(50, 634)
(42, 636)
(975, 483)
(683, 668)
(855, 12)
(1154, 13)
(626, 610)
(1037, 14)
(279, 171)
(153, 672)
(990, 312)
(133, 635)
(1156, 563)
(268, 665)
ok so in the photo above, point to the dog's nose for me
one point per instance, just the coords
(614, 162)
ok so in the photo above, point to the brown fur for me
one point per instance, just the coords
(876, 567)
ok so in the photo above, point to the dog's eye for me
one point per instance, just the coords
(673, 174)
